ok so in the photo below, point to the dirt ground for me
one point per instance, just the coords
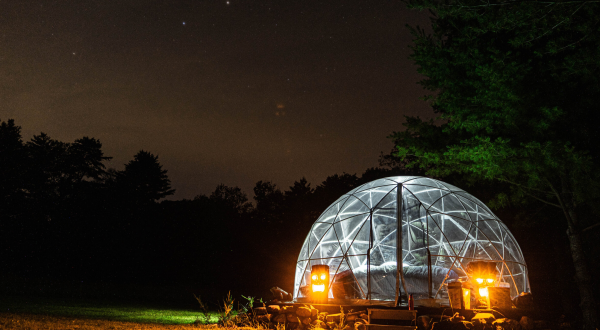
(42, 322)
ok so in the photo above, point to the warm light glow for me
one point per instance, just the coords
(479, 280)
(490, 280)
(314, 277)
(483, 292)
(323, 276)
(318, 287)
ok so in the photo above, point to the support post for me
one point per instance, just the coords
(399, 254)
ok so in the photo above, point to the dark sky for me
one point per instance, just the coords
(226, 92)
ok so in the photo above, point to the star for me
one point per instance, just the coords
(183, 23)
(227, 2)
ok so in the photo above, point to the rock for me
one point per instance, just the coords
(273, 309)
(264, 318)
(351, 317)
(359, 325)
(303, 312)
(541, 324)
(423, 322)
(468, 325)
(527, 323)
(333, 318)
(323, 316)
(259, 310)
(287, 309)
(292, 318)
(305, 320)
(314, 313)
(281, 318)
(361, 320)
(332, 325)
(348, 327)
(483, 318)
(506, 324)
(364, 316)
(318, 324)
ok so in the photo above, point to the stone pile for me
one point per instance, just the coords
(308, 317)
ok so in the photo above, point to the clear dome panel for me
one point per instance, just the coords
(443, 229)
(381, 183)
(332, 212)
(352, 207)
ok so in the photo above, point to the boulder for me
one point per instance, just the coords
(292, 318)
(484, 318)
(305, 320)
(318, 324)
(273, 309)
(351, 317)
(423, 322)
(358, 325)
(264, 318)
(333, 318)
(506, 324)
(314, 313)
(527, 323)
(280, 318)
(287, 309)
(303, 312)
(259, 310)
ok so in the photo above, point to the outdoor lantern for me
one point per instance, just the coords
(319, 283)
(483, 274)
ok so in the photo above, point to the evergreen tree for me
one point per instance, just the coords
(144, 179)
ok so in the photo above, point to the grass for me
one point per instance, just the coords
(10, 321)
(76, 309)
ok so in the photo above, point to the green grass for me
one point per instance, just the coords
(98, 310)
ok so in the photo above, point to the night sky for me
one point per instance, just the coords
(226, 92)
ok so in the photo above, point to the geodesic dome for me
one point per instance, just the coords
(443, 229)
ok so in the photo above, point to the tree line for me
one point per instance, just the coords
(66, 217)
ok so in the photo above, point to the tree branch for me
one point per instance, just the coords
(541, 200)
(592, 226)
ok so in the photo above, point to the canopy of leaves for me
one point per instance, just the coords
(516, 87)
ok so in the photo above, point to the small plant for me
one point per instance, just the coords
(250, 304)
(225, 313)
(205, 316)
(340, 325)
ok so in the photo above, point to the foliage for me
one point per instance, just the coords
(144, 178)
(515, 85)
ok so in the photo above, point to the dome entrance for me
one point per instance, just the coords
(441, 230)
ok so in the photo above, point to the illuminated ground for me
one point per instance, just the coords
(44, 313)
(31, 321)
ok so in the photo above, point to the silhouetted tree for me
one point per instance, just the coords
(269, 203)
(13, 166)
(144, 180)
(231, 198)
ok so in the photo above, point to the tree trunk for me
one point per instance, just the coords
(582, 273)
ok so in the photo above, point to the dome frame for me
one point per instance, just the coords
(443, 228)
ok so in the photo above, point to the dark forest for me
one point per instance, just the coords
(71, 226)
